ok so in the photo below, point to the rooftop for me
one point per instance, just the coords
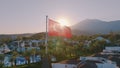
(71, 61)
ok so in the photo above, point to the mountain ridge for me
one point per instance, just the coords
(94, 26)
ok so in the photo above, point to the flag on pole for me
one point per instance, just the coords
(56, 29)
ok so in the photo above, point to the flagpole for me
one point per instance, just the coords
(46, 38)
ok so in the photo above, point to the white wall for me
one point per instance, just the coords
(112, 48)
(106, 65)
(58, 65)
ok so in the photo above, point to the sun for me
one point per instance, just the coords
(63, 22)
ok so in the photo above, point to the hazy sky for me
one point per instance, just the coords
(28, 16)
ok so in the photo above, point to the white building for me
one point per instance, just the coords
(114, 50)
(4, 49)
(100, 62)
(86, 62)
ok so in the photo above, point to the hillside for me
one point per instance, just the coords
(14, 36)
(93, 26)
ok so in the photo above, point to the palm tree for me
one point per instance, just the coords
(27, 55)
(33, 52)
(13, 58)
(1, 60)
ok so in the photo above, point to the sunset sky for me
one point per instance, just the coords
(28, 16)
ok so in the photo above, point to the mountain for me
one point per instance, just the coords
(94, 26)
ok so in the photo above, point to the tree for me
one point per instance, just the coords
(15, 54)
(1, 60)
(27, 55)
(33, 52)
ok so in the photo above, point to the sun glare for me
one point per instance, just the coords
(63, 22)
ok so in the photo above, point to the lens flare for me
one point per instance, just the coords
(63, 22)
